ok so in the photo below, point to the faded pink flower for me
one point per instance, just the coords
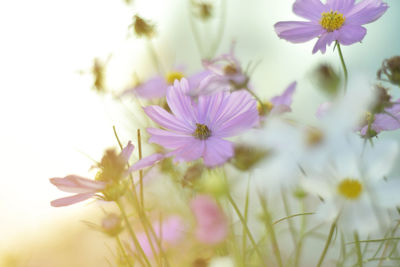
(282, 103)
(212, 224)
(83, 187)
(170, 232)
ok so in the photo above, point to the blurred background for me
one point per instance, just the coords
(53, 122)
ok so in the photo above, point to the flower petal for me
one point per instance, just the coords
(366, 11)
(217, 151)
(166, 120)
(190, 151)
(127, 151)
(342, 6)
(350, 34)
(283, 102)
(179, 101)
(298, 31)
(66, 201)
(147, 162)
(77, 184)
(309, 9)
(168, 139)
(153, 88)
(325, 39)
(237, 113)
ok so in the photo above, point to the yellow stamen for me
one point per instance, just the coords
(332, 21)
(202, 132)
(350, 188)
(173, 75)
(230, 69)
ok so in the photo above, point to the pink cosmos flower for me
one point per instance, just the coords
(85, 188)
(171, 231)
(212, 224)
(336, 20)
(156, 87)
(196, 129)
(388, 120)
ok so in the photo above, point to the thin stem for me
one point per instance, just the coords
(358, 249)
(141, 171)
(257, 98)
(121, 247)
(346, 75)
(328, 241)
(290, 222)
(270, 229)
(132, 233)
(220, 32)
(301, 236)
(244, 237)
(253, 242)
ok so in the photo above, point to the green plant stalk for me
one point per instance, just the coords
(270, 229)
(358, 250)
(346, 74)
(328, 241)
(132, 233)
(121, 247)
(253, 242)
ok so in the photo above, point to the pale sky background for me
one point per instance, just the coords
(49, 114)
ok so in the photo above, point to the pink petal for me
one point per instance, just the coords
(366, 11)
(168, 139)
(298, 31)
(166, 120)
(325, 40)
(155, 87)
(190, 151)
(238, 112)
(283, 102)
(147, 162)
(173, 230)
(212, 225)
(66, 201)
(342, 6)
(179, 101)
(127, 151)
(217, 151)
(323, 109)
(77, 184)
(309, 9)
(350, 34)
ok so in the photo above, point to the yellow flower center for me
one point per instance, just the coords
(350, 188)
(230, 69)
(202, 132)
(173, 75)
(332, 21)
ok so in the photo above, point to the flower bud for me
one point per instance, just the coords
(382, 100)
(328, 80)
(143, 28)
(112, 167)
(203, 10)
(391, 69)
(246, 157)
(112, 224)
(192, 174)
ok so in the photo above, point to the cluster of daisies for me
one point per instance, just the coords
(234, 181)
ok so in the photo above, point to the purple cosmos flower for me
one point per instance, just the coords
(156, 87)
(337, 20)
(388, 120)
(196, 129)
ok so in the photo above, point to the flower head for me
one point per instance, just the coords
(196, 129)
(336, 20)
(112, 170)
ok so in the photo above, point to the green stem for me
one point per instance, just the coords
(121, 247)
(270, 229)
(253, 242)
(301, 236)
(346, 74)
(132, 233)
(290, 222)
(358, 249)
(328, 241)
